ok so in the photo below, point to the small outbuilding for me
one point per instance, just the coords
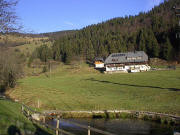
(99, 63)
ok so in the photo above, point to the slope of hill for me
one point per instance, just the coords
(152, 32)
(52, 35)
(58, 34)
(14, 122)
(27, 42)
(12, 39)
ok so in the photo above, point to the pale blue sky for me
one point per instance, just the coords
(55, 15)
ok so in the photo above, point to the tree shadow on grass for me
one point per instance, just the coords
(132, 85)
(13, 130)
(2, 89)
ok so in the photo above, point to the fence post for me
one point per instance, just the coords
(89, 131)
(44, 119)
(38, 103)
(28, 114)
(22, 108)
(57, 126)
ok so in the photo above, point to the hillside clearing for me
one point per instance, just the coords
(83, 88)
(28, 48)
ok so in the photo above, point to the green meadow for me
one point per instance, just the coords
(12, 121)
(83, 88)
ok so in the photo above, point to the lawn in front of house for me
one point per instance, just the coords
(12, 121)
(83, 88)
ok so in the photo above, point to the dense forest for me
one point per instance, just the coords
(153, 32)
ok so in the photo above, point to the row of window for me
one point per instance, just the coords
(134, 58)
(129, 58)
(117, 55)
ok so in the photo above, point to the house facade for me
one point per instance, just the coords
(127, 62)
(99, 63)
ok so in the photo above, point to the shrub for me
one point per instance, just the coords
(10, 69)
(45, 69)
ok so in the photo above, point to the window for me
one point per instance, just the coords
(118, 55)
(129, 58)
(177, 10)
(134, 58)
(139, 58)
(114, 60)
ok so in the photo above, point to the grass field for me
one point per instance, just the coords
(11, 117)
(83, 88)
(12, 121)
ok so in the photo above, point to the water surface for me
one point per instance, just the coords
(117, 126)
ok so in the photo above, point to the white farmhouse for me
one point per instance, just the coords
(136, 61)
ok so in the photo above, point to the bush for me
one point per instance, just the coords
(17, 50)
(30, 62)
(45, 69)
(10, 69)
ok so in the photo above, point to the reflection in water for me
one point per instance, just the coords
(117, 126)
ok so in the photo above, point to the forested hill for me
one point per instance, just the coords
(152, 32)
(58, 34)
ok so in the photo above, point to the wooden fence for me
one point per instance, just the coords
(28, 112)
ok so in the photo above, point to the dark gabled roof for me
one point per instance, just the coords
(137, 56)
(99, 59)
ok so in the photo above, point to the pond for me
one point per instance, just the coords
(118, 127)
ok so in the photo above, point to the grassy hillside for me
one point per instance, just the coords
(12, 121)
(23, 44)
(16, 40)
(83, 88)
(28, 48)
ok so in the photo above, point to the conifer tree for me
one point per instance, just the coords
(90, 52)
(102, 52)
(142, 42)
(167, 49)
(155, 48)
(152, 44)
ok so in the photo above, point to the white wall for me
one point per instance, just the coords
(133, 68)
(99, 65)
(115, 69)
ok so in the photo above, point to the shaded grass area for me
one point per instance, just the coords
(83, 88)
(13, 122)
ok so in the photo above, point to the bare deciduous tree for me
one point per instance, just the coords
(10, 66)
(8, 18)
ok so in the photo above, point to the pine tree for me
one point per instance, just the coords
(152, 44)
(68, 54)
(111, 47)
(142, 42)
(102, 52)
(122, 44)
(155, 48)
(90, 52)
(167, 49)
